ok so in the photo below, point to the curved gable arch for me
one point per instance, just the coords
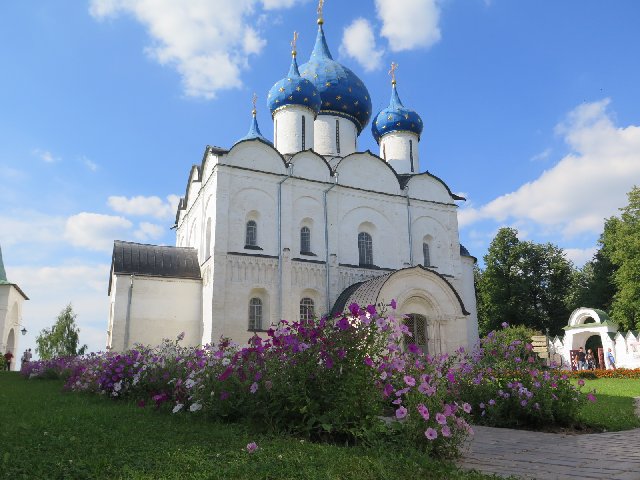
(369, 172)
(425, 186)
(255, 154)
(308, 164)
(580, 315)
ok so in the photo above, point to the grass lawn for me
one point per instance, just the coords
(48, 434)
(614, 408)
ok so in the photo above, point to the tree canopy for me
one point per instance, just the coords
(524, 283)
(621, 244)
(62, 338)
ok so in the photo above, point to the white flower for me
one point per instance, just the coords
(226, 361)
(189, 383)
(177, 408)
(117, 386)
(195, 407)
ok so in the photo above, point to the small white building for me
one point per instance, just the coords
(304, 226)
(11, 300)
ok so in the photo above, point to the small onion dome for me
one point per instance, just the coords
(254, 131)
(395, 118)
(342, 93)
(293, 90)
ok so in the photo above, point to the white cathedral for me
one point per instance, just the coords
(303, 226)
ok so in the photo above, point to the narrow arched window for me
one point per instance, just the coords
(411, 154)
(303, 132)
(255, 314)
(306, 309)
(251, 237)
(365, 249)
(426, 255)
(417, 328)
(207, 252)
(337, 136)
(305, 240)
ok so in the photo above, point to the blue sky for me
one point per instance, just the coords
(530, 111)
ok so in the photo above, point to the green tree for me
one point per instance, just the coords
(593, 285)
(524, 283)
(621, 241)
(62, 338)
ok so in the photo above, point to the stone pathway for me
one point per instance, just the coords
(537, 455)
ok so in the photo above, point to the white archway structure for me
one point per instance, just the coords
(584, 323)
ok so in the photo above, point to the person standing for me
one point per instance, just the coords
(591, 360)
(611, 359)
(7, 359)
(581, 359)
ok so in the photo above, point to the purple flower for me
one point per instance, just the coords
(371, 309)
(523, 403)
(409, 380)
(424, 411)
(581, 382)
(504, 324)
(447, 410)
(224, 395)
(393, 304)
(413, 348)
(430, 433)
(466, 407)
(254, 387)
(401, 412)
(368, 362)
(252, 447)
(343, 323)
(591, 397)
(446, 431)
(441, 419)
(354, 309)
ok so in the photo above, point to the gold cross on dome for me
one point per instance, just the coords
(320, 5)
(254, 100)
(293, 43)
(392, 72)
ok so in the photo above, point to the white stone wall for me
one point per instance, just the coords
(11, 302)
(287, 129)
(160, 308)
(252, 182)
(400, 150)
(325, 139)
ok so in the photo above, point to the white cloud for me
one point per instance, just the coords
(586, 186)
(96, 231)
(89, 164)
(359, 43)
(542, 156)
(409, 24)
(149, 231)
(207, 41)
(145, 206)
(51, 288)
(580, 256)
(46, 156)
(25, 227)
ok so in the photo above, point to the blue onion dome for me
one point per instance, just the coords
(293, 90)
(254, 130)
(395, 118)
(342, 93)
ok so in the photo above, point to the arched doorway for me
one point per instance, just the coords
(594, 343)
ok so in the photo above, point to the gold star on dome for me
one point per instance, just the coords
(281, 89)
(290, 97)
(306, 99)
(315, 75)
(277, 101)
(344, 107)
(384, 126)
(327, 84)
(298, 88)
(419, 121)
(413, 125)
(288, 79)
(356, 103)
(398, 124)
(339, 97)
(314, 94)
(366, 98)
(406, 116)
(349, 88)
(389, 117)
(326, 104)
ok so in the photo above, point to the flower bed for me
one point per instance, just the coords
(617, 373)
(336, 380)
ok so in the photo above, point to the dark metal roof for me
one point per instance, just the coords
(154, 260)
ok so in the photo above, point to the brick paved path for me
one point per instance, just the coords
(536, 455)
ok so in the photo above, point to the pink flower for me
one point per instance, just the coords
(441, 419)
(424, 411)
(446, 431)
(591, 397)
(466, 407)
(254, 387)
(430, 433)
(252, 447)
(581, 382)
(409, 380)
(401, 413)
(447, 410)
